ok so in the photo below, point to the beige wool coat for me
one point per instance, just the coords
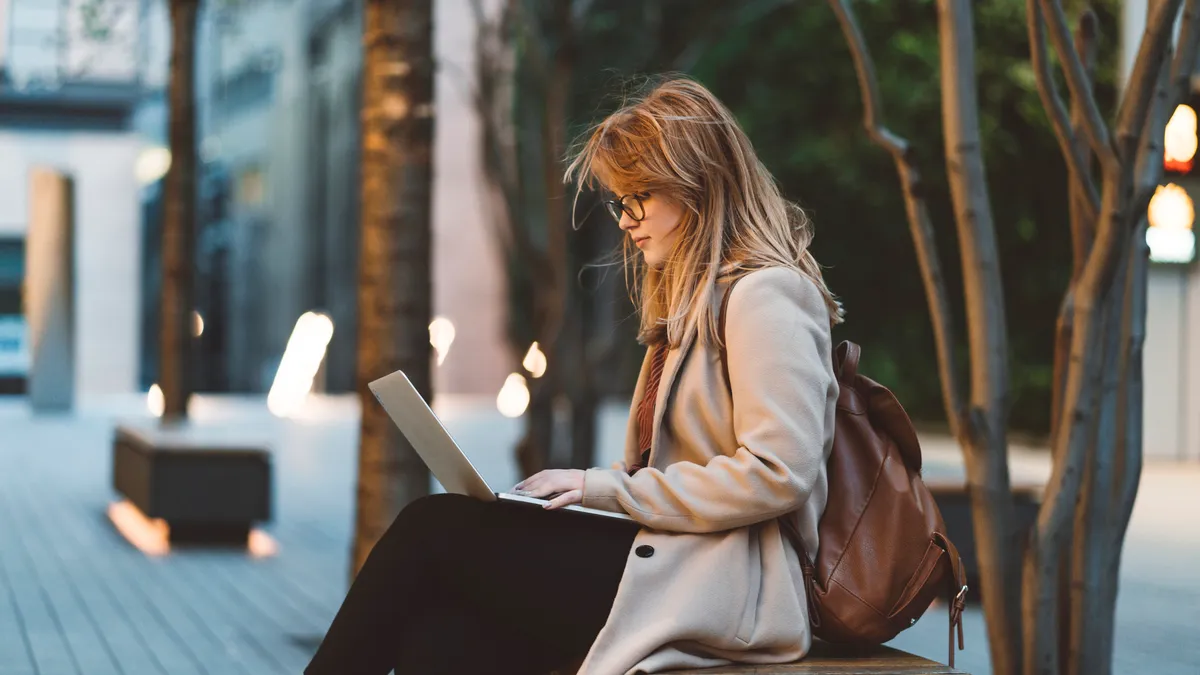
(711, 578)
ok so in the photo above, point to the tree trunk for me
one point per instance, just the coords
(179, 218)
(394, 292)
(551, 291)
(533, 451)
(1087, 553)
(1083, 215)
(986, 446)
(1083, 225)
(1128, 460)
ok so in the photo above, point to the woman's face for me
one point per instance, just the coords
(656, 232)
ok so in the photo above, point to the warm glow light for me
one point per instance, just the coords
(535, 361)
(152, 164)
(1179, 142)
(301, 360)
(197, 324)
(441, 336)
(155, 402)
(261, 545)
(1170, 235)
(514, 396)
(151, 536)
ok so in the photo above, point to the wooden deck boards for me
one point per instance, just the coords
(77, 599)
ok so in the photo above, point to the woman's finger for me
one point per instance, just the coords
(550, 486)
(532, 481)
(565, 499)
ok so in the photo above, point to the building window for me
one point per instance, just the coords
(251, 191)
(250, 87)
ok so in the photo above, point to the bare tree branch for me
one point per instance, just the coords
(1184, 64)
(1127, 462)
(1051, 531)
(1176, 82)
(1083, 228)
(1077, 414)
(1115, 211)
(1087, 556)
(1128, 465)
(1135, 104)
(986, 452)
(919, 222)
(1056, 110)
(493, 105)
(554, 143)
(1078, 84)
(1148, 171)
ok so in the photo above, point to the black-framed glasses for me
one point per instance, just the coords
(630, 204)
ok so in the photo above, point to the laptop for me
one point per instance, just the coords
(446, 461)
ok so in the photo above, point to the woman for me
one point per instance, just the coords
(703, 575)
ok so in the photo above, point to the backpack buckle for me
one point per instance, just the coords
(962, 594)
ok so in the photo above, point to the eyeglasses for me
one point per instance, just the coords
(630, 204)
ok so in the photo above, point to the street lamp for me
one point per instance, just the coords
(1171, 215)
(1179, 140)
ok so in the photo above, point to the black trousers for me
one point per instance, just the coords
(465, 587)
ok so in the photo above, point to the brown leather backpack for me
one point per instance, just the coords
(883, 555)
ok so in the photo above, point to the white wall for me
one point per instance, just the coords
(1164, 360)
(107, 244)
(1133, 23)
(1191, 368)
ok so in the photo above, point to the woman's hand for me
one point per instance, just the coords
(566, 483)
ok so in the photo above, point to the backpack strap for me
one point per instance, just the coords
(958, 591)
(846, 362)
(721, 332)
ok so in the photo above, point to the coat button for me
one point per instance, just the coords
(644, 551)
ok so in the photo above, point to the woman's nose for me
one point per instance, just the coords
(626, 222)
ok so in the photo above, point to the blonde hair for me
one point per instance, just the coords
(679, 140)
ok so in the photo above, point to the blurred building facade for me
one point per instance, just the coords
(279, 90)
(70, 90)
(278, 86)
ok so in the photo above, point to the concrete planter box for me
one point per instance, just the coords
(206, 492)
(954, 501)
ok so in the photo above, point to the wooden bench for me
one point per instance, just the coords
(206, 491)
(827, 659)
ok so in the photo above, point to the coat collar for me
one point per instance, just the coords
(671, 368)
(671, 371)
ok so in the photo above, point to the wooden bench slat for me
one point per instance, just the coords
(827, 659)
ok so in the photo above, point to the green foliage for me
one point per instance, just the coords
(789, 78)
(786, 72)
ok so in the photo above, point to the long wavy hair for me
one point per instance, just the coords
(680, 141)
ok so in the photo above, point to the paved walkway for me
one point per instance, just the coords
(75, 598)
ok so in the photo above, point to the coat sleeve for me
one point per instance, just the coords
(778, 341)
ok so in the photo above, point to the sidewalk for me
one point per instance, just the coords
(76, 598)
